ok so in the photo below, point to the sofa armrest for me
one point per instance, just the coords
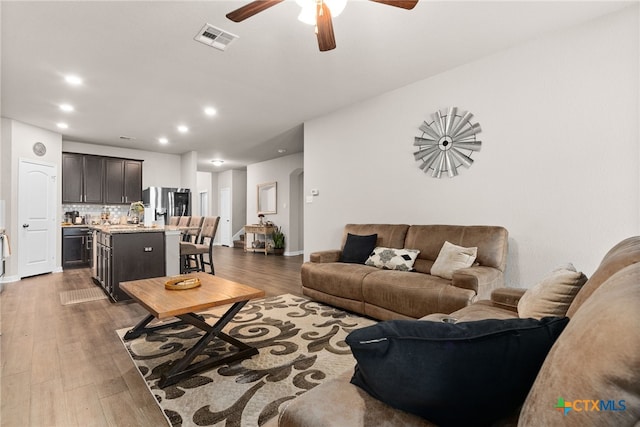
(508, 297)
(479, 278)
(332, 255)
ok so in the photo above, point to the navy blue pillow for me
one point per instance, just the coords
(453, 374)
(358, 248)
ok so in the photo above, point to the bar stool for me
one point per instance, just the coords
(191, 235)
(174, 220)
(188, 249)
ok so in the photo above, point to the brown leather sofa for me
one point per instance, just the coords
(390, 294)
(596, 358)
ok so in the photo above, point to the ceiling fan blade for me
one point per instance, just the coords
(248, 10)
(404, 4)
(324, 28)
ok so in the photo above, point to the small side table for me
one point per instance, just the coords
(258, 229)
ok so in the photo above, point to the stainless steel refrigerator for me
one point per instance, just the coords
(167, 202)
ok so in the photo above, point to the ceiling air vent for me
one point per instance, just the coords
(215, 37)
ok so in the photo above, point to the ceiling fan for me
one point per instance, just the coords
(323, 22)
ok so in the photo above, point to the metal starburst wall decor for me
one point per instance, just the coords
(447, 143)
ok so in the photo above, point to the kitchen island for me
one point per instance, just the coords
(131, 252)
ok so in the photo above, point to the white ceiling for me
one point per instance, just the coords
(144, 73)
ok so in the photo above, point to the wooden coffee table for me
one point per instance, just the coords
(183, 304)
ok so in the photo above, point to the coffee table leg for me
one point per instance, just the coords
(141, 327)
(183, 369)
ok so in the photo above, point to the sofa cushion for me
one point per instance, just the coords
(491, 241)
(411, 294)
(596, 358)
(336, 278)
(451, 258)
(470, 373)
(624, 253)
(389, 235)
(392, 259)
(358, 248)
(479, 310)
(337, 403)
(553, 295)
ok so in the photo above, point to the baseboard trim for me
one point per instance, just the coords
(9, 279)
(294, 253)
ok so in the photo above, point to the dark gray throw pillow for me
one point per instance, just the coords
(462, 374)
(358, 248)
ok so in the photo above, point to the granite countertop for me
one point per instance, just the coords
(121, 229)
(124, 228)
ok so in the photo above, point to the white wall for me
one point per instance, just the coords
(278, 170)
(17, 143)
(236, 181)
(204, 185)
(189, 178)
(559, 161)
(158, 169)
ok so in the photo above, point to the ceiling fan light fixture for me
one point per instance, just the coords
(73, 80)
(309, 9)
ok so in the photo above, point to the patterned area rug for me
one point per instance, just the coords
(301, 344)
(81, 295)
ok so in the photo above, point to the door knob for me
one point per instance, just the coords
(25, 225)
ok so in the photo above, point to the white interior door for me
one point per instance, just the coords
(225, 217)
(204, 203)
(37, 218)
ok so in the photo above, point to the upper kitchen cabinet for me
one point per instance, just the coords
(123, 181)
(82, 178)
(97, 179)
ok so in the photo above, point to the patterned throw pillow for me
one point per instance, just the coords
(393, 259)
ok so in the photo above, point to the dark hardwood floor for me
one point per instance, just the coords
(65, 365)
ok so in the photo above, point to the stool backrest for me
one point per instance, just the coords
(195, 226)
(174, 220)
(210, 227)
(184, 221)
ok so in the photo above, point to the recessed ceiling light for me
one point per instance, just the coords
(282, 150)
(210, 111)
(183, 129)
(62, 125)
(163, 140)
(66, 107)
(217, 162)
(73, 80)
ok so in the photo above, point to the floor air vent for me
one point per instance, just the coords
(215, 37)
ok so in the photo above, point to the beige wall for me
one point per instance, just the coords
(559, 165)
(286, 171)
(17, 143)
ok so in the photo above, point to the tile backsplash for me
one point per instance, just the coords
(93, 213)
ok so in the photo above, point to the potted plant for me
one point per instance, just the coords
(278, 241)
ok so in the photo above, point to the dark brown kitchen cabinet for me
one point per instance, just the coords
(128, 256)
(123, 181)
(82, 178)
(98, 179)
